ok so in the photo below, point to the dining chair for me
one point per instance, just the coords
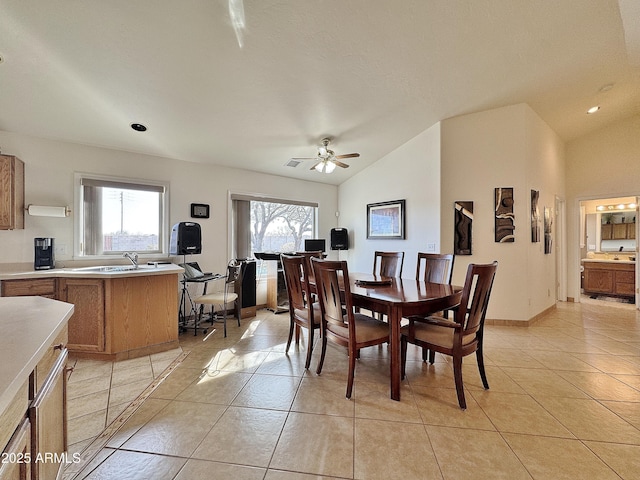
(222, 298)
(303, 312)
(307, 263)
(437, 268)
(339, 322)
(461, 336)
(388, 264)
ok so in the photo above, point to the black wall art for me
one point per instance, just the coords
(462, 228)
(535, 216)
(548, 224)
(505, 223)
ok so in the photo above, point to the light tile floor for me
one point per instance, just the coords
(564, 403)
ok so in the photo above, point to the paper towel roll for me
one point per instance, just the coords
(43, 211)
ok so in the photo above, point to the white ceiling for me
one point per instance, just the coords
(372, 74)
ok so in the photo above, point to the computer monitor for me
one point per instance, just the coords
(315, 244)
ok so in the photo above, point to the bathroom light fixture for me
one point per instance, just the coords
(620, 206)
(593, 109)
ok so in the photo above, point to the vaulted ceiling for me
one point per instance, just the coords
(371, 74)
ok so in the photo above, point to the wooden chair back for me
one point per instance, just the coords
(295, 274)
(475, 297)
(334, 296)
(388, 264)
(435, 267)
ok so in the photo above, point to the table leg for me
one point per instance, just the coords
(395, 317)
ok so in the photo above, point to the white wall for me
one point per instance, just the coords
(411, 172)
(505, 147)
(603, 164)
(49, 173)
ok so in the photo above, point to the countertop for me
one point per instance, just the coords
(607, 260)
(91, 272)
(28, 326)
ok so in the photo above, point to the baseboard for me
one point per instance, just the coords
(519, 323)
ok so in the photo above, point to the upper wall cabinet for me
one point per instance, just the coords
(11, 192)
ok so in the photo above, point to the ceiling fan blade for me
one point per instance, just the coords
(340, 164)
(313, 168)
(304, 158)
(348, 155)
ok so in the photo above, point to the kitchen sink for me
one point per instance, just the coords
(108, 268)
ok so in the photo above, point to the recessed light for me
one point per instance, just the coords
(138, 127)
(593, 109)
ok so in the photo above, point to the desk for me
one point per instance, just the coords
(277, 298)
(404, 297)
(187, 307)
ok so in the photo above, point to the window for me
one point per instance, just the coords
(270, 225)
(119, 215)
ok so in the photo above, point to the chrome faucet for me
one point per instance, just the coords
(133, 257)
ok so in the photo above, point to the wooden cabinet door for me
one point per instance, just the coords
(598, 281)
(631, 230)
(87, 325)
(619, 231)
(48, 417)
(11, 193)
(16, 464)
(606, 231)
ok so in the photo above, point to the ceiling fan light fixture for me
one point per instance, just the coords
(325, 166)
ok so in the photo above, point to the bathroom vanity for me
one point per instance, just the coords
(609, 277)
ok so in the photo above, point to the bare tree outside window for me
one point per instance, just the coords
(280, 227)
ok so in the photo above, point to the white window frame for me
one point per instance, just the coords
(122, 182)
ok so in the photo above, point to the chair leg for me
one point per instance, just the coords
(403, 357)
(352, 369)
(292, 326)
(480, 360)
(309, 348)
(432, 356)
(197, 320)
(457, 374)
(425, 354)
(224, 322)
(324, 350)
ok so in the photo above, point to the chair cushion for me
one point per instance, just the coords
(367, 329)
(215, 298)
(304, 313)
(436, 335)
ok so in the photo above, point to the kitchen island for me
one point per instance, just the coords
(120, 312)
(609, 277)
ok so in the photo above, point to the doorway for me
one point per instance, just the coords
(608, 249)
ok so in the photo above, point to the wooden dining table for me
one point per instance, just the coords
(402, 297)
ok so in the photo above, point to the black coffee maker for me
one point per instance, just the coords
(44, 254)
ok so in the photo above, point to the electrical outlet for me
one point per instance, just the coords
(431, 247)
(60, 249)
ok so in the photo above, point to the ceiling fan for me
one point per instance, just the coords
(327, 160)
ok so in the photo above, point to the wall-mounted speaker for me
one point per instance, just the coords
(339, 239)
(186, 239)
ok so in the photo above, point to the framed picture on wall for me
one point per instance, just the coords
(386, 219)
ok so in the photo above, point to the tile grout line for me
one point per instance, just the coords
(92, 450)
